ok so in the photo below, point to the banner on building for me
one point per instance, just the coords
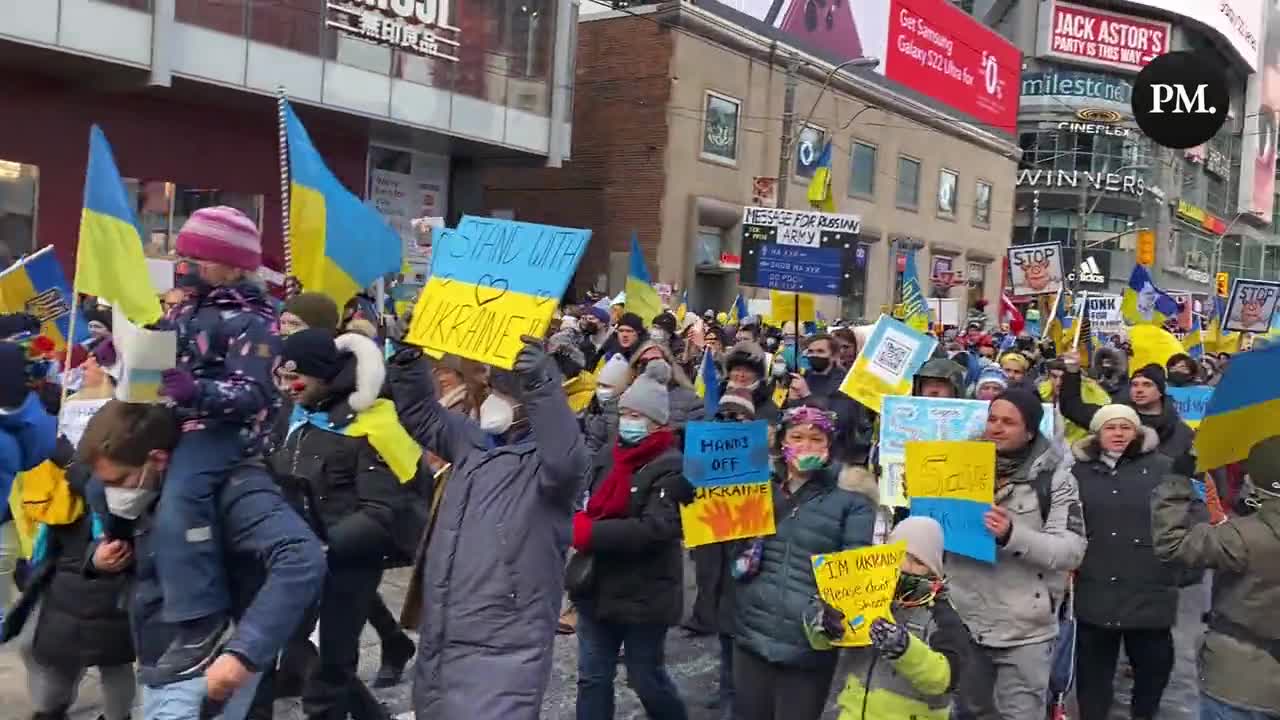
(1261, 121)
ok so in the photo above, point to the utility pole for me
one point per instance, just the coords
(788, 121)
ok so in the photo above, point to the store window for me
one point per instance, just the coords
(862, 170)
(982, 203)
(710, 242)
(406, 185)
(1271, 262)
(809, 149)
(1083, 152)
(948, 185)
(908, 191)
(19, 191)
(720, 128)
(163, 208)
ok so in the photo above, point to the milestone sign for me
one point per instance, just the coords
(798, 250)
(418, 26)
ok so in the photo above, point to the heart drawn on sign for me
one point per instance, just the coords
(542, 297)
(489, 288)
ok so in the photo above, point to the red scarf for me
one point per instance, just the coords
(610, 500)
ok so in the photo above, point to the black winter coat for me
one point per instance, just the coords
(1121, 584)
(1176, 437)
(639, 560)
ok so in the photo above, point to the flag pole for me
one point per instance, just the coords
(283, 145)
(1084, 307)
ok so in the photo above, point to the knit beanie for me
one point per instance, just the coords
(1263, 465)
(13, 375)
(223, 235)
(599, 313)
(1028, 404)
(616, 372)
(99, 315)
(648, 393)
(1017, 358)
(315, 309)
(923, 536)
(633, 321)
(666, 321)
(1155, 374)
(993, 375)
(738, 400)
(1107, 413)
(312, 352)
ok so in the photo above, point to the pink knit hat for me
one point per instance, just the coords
(223, 235)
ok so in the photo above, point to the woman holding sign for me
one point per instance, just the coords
(777, 674)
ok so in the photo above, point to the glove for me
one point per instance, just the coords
(889, 639)
(531, 363)
(18, 323)
(63, 452)
(178, 385)
(825, 618)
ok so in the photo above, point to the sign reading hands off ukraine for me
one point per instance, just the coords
(728, 465)
(492, 281)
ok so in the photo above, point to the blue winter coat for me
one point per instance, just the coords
(27, 438)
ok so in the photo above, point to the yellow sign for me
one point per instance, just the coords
(728, 512)
(860, 584)
(782, 307)
(1191, 212)
(1146, 247)
(951, 469)
(1223, 282)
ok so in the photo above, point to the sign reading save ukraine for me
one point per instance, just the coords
(493, 280)
(954, 483)
(728, 465)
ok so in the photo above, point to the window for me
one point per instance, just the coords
(908, 193)
(948, 182)
(720, 128)
(975, 277)
(19, 184)
(1083, 152)
(163, 207)
(710, 241)
(982, 203)
(809, 149)
(862, 170)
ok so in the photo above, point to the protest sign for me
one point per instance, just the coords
(905, 419)
(1104, 311)
(954, 483)
(1035, 269)
(728, 512)
(144, 356)
(860, 584)
(75, 415)
(1251, 305)
(724, 453)
(1191, 402)
(887, 363)
(492, 281)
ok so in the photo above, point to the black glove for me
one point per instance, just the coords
(63, 452)
(889, 639)
(531, 363)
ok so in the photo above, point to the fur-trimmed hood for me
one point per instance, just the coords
(365, 373)
(858, 479)
(1087, 449)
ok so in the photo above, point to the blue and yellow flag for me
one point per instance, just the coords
(642, 299)
(36, 285)
(915, 312)
(683, 308)
(1242, 409)
(1215, 340)
(739, 314)
(340, 245)
(1143, 302)
(110, 262)
(1193, 343)
(708, 383)
(381, 426)
(820, 185)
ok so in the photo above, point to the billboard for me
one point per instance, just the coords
(1238, 22)
(1091, 36)
(1058, 88)
(930, 46)
(1262, 118)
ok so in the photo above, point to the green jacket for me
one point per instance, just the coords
(1244, 553)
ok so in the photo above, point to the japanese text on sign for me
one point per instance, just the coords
(860, 584)
(422, 27)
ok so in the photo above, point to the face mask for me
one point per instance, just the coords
(1178, 376)
(130, 503)
(605, 394)
(914, 589)
(658, 335)
(819, 364)
(633, 430)
(749, 387)
(496, 415)
(804, 461)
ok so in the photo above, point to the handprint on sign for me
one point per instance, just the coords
(719, 517)
(753, 516)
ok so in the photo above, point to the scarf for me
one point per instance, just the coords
(1008, 463)
(380, 426)
(610, 500)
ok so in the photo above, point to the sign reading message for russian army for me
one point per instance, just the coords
(1251, 305)
(492, 281)
(1035, 269)
(728, 465)
(955, 484)
(888, 361)
(860, 584)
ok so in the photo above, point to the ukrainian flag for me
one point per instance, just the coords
(1242, 409)
(1193, 343)
(683, 308)
(642, 299)
(109, 260)
(708, 383)
(739, 310)
(1144, 302)
(340, 245)
(820, 185)
(36, 285)
(915, 311)
(1217, 341)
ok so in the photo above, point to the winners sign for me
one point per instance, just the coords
(418, 26)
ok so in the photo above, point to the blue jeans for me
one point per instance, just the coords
(598, 645)
(182, 700)
(189, 553)
(1211, 709)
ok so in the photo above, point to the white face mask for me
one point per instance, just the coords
(130, 503)
(606, 393)
(496, 415)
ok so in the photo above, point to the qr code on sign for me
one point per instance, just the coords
(892, 356)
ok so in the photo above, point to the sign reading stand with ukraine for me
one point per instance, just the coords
(492, 281)
(728, 465)
(955, 484)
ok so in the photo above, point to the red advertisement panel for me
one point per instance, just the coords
(1098, 37)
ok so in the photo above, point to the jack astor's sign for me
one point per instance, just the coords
(417, 26)
(1105, 182)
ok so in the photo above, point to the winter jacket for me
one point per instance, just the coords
(686, 406)
(229, 339)
(638, 559)
(1244, 553)
(27, 437)
(1176, 437)
(1121, 583)
(493, 568)
(916, 685)
(823, 516)
(1013, 602)
(1116, 384)
(600, 428)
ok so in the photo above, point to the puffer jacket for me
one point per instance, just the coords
(1176, 437)
(1121, 583)
(1244, 553)
(493, 568)
(1013, 602)
(823, 516)
(639, 563)
(686, 406)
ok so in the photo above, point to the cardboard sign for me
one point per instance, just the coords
(75, 417)
(492, 281)
(1035, 269)
(954, 483)
(726, 453)
(860, 584)
(1191, 402)
(728, 512)
(1251, 305)
(887, 363)
(144, 356)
